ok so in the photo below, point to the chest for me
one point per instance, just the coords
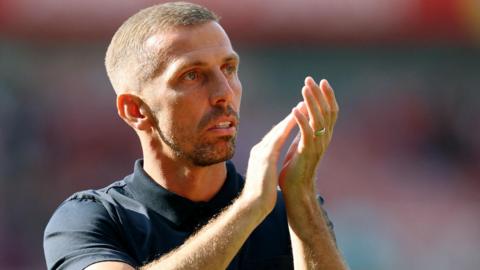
(149, 236)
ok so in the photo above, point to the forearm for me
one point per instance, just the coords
(215, 245)
(313, 245)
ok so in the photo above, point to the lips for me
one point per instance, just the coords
(226, 125)
(220, 119)
(223, 123)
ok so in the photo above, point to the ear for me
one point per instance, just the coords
(131, 109)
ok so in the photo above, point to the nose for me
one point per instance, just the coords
(221, 90)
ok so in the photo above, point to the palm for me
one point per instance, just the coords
(299, 166)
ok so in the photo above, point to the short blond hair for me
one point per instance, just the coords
(127, 61)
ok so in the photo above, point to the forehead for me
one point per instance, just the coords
(205, 42)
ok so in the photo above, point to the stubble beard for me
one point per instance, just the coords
(204, 152)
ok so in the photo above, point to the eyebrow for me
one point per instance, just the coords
(232, 57)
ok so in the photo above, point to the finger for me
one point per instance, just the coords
(305, 129)
(302, 107)
(329, 95)
(320, 98)
(316, 118)
(292, 148)
(277, 136)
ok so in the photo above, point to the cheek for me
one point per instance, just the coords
(165, 111)
(185, 110)
(238, 93)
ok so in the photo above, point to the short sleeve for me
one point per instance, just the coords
(80, 233)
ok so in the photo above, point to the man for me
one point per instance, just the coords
(184, 207)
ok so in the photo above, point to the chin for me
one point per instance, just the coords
(207, 157)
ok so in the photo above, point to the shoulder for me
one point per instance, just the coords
(84, 230)
(89, 208)
(91, 203)
(81, 206)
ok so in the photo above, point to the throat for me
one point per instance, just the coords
(198, 184)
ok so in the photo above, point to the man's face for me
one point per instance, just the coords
(195, 100)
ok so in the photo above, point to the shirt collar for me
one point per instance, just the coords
(179, 210)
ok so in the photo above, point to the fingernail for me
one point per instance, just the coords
(308, 78)
(328, 84)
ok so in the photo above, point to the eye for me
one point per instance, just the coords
(190, 76)
(230, 69)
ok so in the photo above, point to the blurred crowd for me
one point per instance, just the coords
(401, 178)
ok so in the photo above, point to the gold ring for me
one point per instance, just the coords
(320, 132)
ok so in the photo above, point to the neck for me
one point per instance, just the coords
(192, 182)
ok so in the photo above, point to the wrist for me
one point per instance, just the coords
(304, 214)
(253, 205)
(299, 194)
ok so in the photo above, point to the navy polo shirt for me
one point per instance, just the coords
(136, 221)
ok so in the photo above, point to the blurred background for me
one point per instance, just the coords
(401, 178)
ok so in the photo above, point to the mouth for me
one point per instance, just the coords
(223, 125)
